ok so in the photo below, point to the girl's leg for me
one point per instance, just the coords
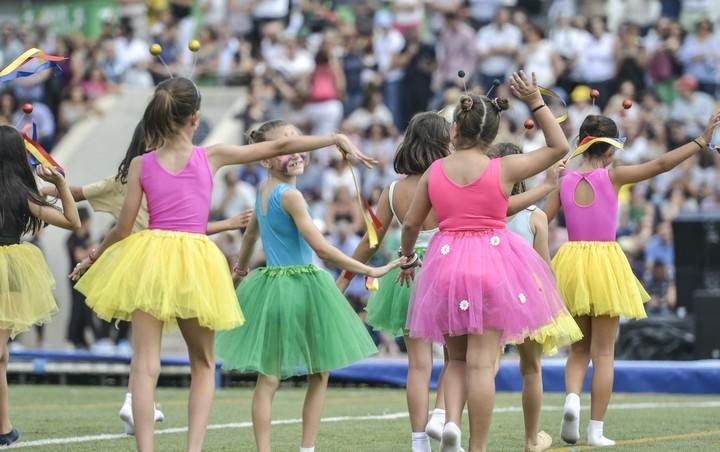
(144, 372)
(265, 390)
(313, 408)
(602, 351)
(455, 392)
(435, 426)
(200, 343)
(575, 371)
(482, 352)
(531, 372)
(419, 369)
(418, 379)
(5, 425)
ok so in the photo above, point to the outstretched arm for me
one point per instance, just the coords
(239, 221)
(521, 166)
(631, 174)
(221, 155)
(294, 204)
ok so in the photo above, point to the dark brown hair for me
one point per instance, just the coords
(426, 139)
(477, 119)
(597, 126)
(174, 101)
(499, 150)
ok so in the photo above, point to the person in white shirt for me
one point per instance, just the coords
(388, 43)
(597, 63)
(538, 56)
(293, 61)
(497, 45)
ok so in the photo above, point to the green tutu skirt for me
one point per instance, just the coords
(388, 307)
(297, 323)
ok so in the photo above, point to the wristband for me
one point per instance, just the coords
(699, 141)
(92, 255)
(242, 273)
(412, 264)
(538, 108)
(348, 275)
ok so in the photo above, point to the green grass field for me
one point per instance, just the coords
(72, 418)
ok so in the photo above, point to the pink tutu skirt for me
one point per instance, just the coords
(477, 280)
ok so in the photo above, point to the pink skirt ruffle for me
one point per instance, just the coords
(473, 281)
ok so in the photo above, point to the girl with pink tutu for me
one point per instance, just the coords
(481, 286)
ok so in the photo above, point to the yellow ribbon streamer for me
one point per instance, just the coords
(584, 147)
(546, 92)
(371, 232)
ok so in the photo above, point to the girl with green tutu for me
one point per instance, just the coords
(298, 322)
(427, 139)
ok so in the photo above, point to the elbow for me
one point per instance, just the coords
(409, 228)
(323, 252)
(75, 225)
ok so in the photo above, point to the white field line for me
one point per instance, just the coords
(372, 417)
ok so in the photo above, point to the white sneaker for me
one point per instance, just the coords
(451, 438)
(127, 417)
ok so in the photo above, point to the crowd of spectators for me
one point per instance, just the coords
(366, 67)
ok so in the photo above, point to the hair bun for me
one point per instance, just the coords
(466, 103)
(500, 104)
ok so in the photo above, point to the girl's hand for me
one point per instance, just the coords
(241, 220)
(379, 272)
(552, 177)
(525, 89)
(238, 274)
(710, 127)
(80, 269)
(50, 175)
(348, 149)
(406, 277)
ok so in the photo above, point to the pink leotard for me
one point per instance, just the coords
(594, 222)
(477, 206)
(181, 201)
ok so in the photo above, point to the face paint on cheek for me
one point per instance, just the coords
(283, 163)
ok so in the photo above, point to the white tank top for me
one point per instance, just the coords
(520, 224)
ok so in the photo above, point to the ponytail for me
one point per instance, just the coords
(174, 101)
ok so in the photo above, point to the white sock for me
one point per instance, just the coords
(307, 449)
(570, 426)
(595, 434)
(420, 442)
(128, 398)
(438, 413)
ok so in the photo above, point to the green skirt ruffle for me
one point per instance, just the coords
(388, 307)
(297, 323)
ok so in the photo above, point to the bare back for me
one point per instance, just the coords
(402, 197)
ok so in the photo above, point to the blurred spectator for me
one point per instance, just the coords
(660, 248)
(661, 289)
(597, 62)
(700, 53)
(418, 63)
(81, 316)
(456, 51)
(497, 45)
(233, 197)
(693, 108)
(387, 45)
(343, 209)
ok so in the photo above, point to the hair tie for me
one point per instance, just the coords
(466, 103)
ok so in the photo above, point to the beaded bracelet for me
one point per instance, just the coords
(412, 264)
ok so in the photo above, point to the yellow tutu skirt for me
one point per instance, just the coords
(169, 275)
(26, 288)
(595, 279)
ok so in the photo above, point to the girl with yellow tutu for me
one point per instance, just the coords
(108, 195)
(531, 224)
(593, 274)
(172, 274)
(299, 323)
(26, 284)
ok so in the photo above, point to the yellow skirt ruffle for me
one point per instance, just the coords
(169, 275)
(26, 288)
(595, 279)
